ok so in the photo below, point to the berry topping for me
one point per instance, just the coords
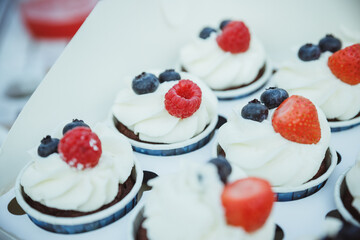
(73, 124)
(345, 64)
(48, 146)
(145, 83)
(224, 23)
(255, 111)
(169, 75)
(235, 37)
(183, 99)
(309, 52)
(273, 97)
(248, 203)
(329, 43)
(296, 119)
(206, 32)
(223, 168)
(80, 148)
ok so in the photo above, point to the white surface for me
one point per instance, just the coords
(84, 82)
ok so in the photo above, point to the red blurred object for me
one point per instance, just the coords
(55, 18)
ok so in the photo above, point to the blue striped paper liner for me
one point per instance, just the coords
(175, 151)
(80, 228)
(290, 196)
(344, 125)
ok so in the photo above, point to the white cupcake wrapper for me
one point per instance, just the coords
(339, 203)
(344, 125)
(248, 90)
(284, 194)
(72, 225)
(172, 149)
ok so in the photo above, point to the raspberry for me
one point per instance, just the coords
(183, 99)
(235, 37)
(345, 64)
(80, 148)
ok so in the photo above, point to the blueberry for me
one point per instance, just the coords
(329, 43)
(145, 83)
(255, 111)
(48, 146)
(309, 52)
(73, 124)
(205, 33)
(224, 23)
(223, 168)
(273, 97)
(169, 75)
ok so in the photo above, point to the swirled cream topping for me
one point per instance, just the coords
(219, 69)
(258, 150)
(146, 114)
(315, 81)
(187, 205)
(352, 181)
(52, 182)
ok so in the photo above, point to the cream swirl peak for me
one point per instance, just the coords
(223, 69)
(154, 119)
(352, 182)
(256, 148)
(56, 184)
(188, 205)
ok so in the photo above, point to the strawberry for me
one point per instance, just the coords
(235, 37)
(80, 148)
(345, 64)
(247, 203)
(296, 119)
(183, 99)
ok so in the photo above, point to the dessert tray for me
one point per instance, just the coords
(85, 79)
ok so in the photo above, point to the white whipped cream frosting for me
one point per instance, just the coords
(146, 114)
(315, 81)
(258, 150)
(219, 69)
(52, 182)
(352, 181)
(187, 205)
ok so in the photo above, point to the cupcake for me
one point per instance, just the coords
(282, 139)
(171, 114)
(329, 77)
(196, 204)
(347, 194)
(230, 60)
(80, 181)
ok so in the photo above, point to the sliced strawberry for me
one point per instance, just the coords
(248, 203)
(296, 119)
(345, 64)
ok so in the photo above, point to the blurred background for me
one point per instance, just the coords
(33, 33)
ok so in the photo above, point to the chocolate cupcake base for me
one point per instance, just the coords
(124, 189)
(167, 149)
